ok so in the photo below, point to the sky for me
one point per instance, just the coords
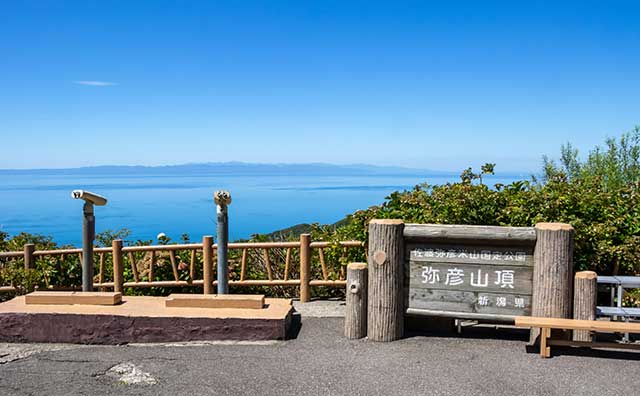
(422, 84)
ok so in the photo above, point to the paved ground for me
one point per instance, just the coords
(484, 361)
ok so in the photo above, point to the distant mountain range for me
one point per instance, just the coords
(237, 168)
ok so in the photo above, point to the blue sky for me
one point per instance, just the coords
(421, 84)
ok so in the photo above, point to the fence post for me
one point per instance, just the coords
(207, 262)
(385, 310)
(29, 262)
(355, 320)
(118, 270)
(552, 272)
(305, 267)
(585, 290)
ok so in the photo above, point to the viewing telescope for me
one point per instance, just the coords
(89, 197)
(88, 233)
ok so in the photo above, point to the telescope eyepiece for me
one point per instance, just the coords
(89, 197)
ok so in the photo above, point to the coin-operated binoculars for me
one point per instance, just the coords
(88, 233)
(222, 200)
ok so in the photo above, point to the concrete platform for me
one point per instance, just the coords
(140, 319)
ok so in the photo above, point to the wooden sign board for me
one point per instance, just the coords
(470, 272)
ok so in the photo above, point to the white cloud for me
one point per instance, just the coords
(95, 83)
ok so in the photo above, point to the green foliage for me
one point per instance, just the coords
(614, 166)
(468, 176)
(607, 221)
(105, 238)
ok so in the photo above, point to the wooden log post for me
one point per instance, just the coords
(552, 272)
(118, 269)
(29, 261)
(305, 267)
(585, 289)
(385, 307)
(207, 263)
(355, 320)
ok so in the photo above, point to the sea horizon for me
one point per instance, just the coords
(178, 199)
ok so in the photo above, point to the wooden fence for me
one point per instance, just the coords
(282, 264)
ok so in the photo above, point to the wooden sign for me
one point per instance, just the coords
(469, 271)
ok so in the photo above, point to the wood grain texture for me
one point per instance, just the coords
(469, 253)
(459, 233)
(469, 302)
(207, 263)
(574, 324)
(584, 301)
(385, 308)
(29, 261)
(523, 277)
(355, 320)
(118, 266)
(305, 267)
(553, 272)
(481, 293)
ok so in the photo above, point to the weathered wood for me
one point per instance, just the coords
(152, 264)
(385, 308)
(323, 265)
(305, 267)
(355, 320)
(29, 261)
(553, 272)
(134, 267)
(267, 263)
(66, 298)
(486, 278)
(192, 265)
(469, 301)
(343, 258)
(585, 289)
(243, 265)
(476, 273)
(101, 274)
(467, 253)
(174, 264)
(287, 263)
(207, 263)
(118, 270)
(461, 233)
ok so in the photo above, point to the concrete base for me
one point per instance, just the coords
(140, 319)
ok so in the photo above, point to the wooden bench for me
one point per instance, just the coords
(546, 324)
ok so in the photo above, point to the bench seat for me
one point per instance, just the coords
(546, 324)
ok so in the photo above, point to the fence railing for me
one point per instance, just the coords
(301, 264)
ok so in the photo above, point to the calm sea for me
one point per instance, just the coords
(174, 204)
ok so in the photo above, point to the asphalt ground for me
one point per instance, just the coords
(320, 361)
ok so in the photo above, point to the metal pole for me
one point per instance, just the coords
(222, 199)
(88, 233)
